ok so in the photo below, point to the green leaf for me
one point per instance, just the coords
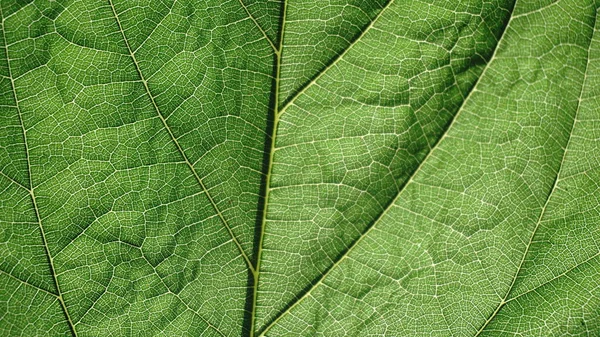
(299, 168)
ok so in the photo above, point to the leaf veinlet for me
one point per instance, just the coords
(30, 189)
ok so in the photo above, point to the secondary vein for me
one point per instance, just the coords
(577, 265)
(176, 142)
(14, 181)
(390, 205)
(505, 300)
(32, 192)
(275, 49)
(291, 101)
(28, 283)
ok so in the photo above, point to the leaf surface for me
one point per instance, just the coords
(299, 168)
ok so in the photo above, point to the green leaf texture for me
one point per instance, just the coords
(299, 168)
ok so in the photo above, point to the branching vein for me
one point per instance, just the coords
(176, 142)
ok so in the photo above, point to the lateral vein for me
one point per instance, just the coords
(32, 192)
(577, 265)
(28, 283)
(179, 148)
(390, 205)
(336, 60)
(505, 300)
(13, 181)
(275, 49)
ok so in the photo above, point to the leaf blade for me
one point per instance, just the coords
(250, 168)
(288, 244)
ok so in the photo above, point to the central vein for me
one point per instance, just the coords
(273, 136)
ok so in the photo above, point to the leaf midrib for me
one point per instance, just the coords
(272, 135)
(256, 270)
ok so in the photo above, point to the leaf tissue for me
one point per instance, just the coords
(299, 168)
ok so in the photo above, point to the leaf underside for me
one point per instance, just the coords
(299, 168)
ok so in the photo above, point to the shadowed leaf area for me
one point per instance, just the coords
(299, 168)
